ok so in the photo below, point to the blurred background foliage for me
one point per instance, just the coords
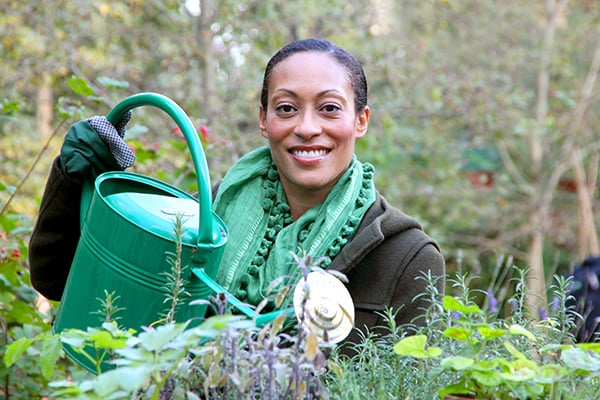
(484, 113)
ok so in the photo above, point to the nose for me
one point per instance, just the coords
(308, 126)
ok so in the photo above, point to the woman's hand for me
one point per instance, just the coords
(94, 146)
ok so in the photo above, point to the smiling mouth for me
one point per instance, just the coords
(310, 153)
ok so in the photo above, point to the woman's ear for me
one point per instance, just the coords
(362, 122)
(262, 121)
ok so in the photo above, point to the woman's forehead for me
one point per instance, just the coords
(309, 69)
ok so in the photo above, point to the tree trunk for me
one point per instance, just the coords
(536, 282)
(588, 239)
(535, 258)
(587, 236)
(44, 107)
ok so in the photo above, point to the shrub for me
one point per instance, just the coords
(463, 349)
(466, 350)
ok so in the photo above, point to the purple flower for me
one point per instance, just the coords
(493, 301)
(543, 313)
(555, 304)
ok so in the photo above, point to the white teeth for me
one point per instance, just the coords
(310, 153)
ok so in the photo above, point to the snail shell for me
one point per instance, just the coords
(323, 304)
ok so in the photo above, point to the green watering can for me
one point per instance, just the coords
(127, 229)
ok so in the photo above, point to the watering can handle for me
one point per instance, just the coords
(205, 231)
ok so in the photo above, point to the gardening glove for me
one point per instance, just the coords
(94, 146)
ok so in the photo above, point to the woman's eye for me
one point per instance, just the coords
(330, 108)
(285, 109)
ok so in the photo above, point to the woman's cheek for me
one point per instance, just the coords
(277, 130)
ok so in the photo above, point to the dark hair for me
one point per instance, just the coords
(356, 75)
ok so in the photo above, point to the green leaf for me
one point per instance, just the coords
(519, 330)
(576, 358)
(458, 363)
(520, 370)
(452, 304)
(108, 383)
(335, 368)
(595, 346)
(51, 349)
(68, 108)
(113, 328)
(133, 378)
(15, 350)
(28, 295)
(550, 373)
(157, 339)
(21, 313)
(80, 86)
(513, 350)
(74, 338)
(66, 389)
(136, 354)
(436, 93)
(487, 378)
(113, 83)
(9, 107)
(411, 345)
(105, 340)
(460, 388)
(488, 365)
(458, 333)
(414, 346)
(488, 332)
(214, 325)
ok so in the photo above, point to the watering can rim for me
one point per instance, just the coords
(219, 236)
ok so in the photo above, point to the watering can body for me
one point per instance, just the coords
(127, 234)
(126, 237)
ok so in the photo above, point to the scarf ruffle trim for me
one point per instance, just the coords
(279, 217)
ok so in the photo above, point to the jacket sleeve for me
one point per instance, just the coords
(409, 295)
(55, 234)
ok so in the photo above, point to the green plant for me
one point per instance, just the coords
(474, 355)
(471, 350)
(175, 276)
(22, 316)
(226, 356)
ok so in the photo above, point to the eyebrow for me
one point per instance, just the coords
(320, 94)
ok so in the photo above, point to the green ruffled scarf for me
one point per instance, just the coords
(262, 232)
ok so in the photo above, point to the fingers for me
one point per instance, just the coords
(113, 138)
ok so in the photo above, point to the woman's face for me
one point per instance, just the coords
(311, 123)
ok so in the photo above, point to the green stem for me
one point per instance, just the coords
(31, 168)
(160, 383)
(7, 377)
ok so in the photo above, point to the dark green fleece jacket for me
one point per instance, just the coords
(382, 261)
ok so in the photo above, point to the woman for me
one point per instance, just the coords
(306, 190)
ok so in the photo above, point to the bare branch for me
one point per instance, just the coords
(512, 168)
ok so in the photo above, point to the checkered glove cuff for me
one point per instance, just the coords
(113, 136)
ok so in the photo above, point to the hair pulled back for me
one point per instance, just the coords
(356, 74)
